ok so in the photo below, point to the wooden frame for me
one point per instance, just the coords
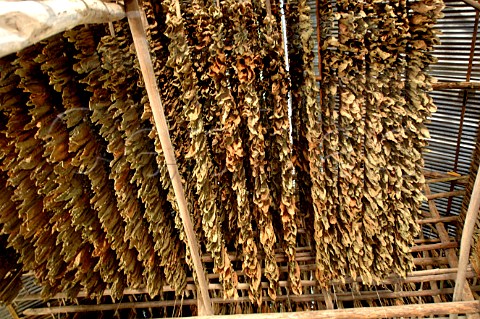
(433, 270)
(98, 11)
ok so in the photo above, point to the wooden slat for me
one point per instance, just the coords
(339, 296)
(445, 194)
(413, 277)
(434, 246)
(448, 219)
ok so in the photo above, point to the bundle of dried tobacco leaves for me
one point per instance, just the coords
(86, 197)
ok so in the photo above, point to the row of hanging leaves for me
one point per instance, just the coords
(88, 180)
(375, 63)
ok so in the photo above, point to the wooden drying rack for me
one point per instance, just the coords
(436, 268)
(437, 263)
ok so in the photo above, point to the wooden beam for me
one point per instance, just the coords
(23, 23)
(412, 277)
(456, 85)
(421, 310)
(369, 313)
(445, 194)
(339, 296)
(467, 238)
(434, 246)
(141, 45)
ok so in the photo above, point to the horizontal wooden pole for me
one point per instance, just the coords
(418, 310)
(340, 296)
(435, 174)
(446, 194)
(23, 23)
(458, 179)
(448, 219)
(434, 246)
(456, 85)
(465, 307)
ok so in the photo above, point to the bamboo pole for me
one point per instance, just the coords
(23, 23)
(146, 66)
(467, 238)
(434, 246)
(422, 310)
(340, 296)
(447, 219)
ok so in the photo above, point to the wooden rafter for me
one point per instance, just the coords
(141, 45)
(456, 85)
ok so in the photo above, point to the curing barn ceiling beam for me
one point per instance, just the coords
(23, 23)
(134, 15)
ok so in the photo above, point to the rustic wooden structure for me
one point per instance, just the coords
(434, 277)
(436, 259)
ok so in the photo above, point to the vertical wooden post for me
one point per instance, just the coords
(467, 238)
(141, 45)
